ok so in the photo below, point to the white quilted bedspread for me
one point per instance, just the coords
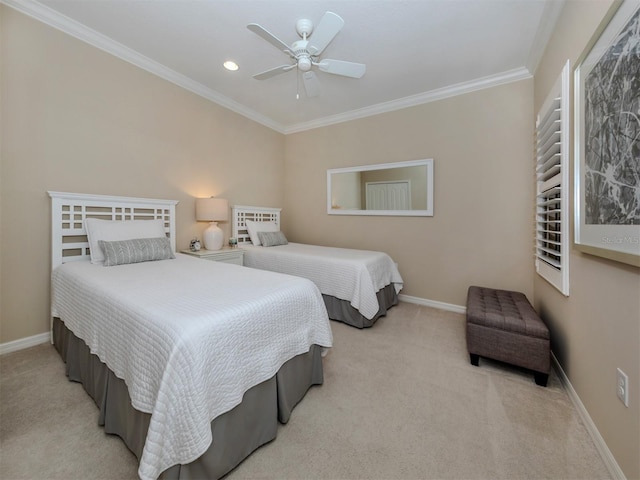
(189, 337)
(352, 275)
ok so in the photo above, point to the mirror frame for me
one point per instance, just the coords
(428, 212)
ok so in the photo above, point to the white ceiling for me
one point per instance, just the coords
(415, 50)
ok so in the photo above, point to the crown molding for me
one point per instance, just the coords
(75, 29)
(54, 19)
(413, 100)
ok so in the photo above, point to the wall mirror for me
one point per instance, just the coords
(401, 188)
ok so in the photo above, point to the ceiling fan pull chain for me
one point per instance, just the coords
(297, 85)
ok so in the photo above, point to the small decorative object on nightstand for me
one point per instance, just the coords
(194, 245)
(233, 242)
(225, 255)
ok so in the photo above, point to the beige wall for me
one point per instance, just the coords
(79, 120)
(597, 328)
(481, 231)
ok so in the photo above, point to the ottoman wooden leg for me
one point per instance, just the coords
(475, 359)
(541, 378)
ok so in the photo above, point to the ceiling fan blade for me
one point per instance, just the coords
(329, 26)
(339, 67)
(269, 37)
(311, 84)
(273, 72)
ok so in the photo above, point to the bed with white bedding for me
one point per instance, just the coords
(191, 362)
(358, 286)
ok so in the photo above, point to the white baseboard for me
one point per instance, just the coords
(607, 457)
(23, 343)
(432, 303)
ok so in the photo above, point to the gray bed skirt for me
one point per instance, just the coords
(236, 433)
(342, 311)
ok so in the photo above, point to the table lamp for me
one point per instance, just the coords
(212, 210)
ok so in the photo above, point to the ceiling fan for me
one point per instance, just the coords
(306, 53)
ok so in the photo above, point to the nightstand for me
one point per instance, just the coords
(225, 255)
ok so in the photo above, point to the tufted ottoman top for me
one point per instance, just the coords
(504, 310)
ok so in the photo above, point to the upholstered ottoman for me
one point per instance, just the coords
(502, 325)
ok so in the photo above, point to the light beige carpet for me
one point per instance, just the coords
(400, 401)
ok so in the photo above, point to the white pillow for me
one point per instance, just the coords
(113, 230)
(254, 227)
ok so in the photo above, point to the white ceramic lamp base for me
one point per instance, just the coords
(213, 237)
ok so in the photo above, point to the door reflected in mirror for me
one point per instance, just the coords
(402, 188)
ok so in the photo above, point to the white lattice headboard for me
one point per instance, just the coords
(69, 210)
(242, 213)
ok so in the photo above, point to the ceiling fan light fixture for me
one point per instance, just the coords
(304, 64)
(230, 65)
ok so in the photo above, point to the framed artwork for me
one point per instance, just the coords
(607, 139)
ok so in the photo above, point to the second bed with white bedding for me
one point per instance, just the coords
(355, 276)
(358, 286)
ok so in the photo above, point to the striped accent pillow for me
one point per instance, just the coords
(137, 250)
(272, 239)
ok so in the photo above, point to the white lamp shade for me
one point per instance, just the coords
(212, 210)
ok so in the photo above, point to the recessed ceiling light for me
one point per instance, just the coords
(229, 65)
